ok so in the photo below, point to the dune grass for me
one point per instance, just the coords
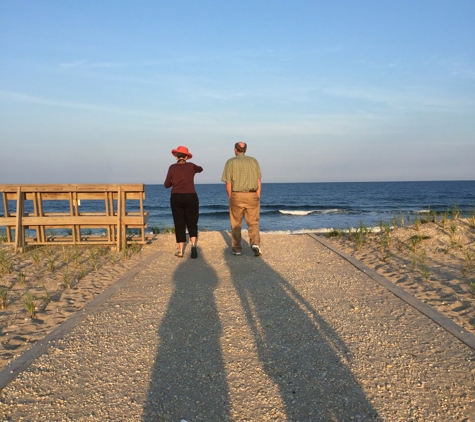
(43, 273)
(413, 248)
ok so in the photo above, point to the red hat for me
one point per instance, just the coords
(182, 150)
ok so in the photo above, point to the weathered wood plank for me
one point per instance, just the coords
(114, 221)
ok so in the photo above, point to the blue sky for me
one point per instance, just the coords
(322, 91)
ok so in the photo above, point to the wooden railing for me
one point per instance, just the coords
(116, 218)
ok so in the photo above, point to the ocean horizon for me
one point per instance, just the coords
(311, 206)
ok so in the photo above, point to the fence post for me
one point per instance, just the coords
(19, 229)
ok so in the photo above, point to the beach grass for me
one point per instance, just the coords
(425, 272)
(21, 277)
(471, 283)
(67, 279)
(35, 256)
(27, 284)
(417, 223)
(471, 219)
(455, 212)
(3, 297)
(47, 269)
(51, 263)
(126, 252)
(47, 296)
(444, 219)
(335, 233)
(468, 254)
(29, 304)
(437, 250)
(5, 263)
(94, 258)
(416, 240)
(391, 245)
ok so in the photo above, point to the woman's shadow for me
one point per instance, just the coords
(298, 350)
(188, 379)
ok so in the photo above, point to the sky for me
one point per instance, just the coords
(101, 91)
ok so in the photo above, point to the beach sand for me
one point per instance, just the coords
(438, 268)
(433, 261)
(297, 334)
(61, 280)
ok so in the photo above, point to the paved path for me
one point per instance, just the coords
(298, 334)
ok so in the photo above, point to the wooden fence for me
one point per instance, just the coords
(34, 208)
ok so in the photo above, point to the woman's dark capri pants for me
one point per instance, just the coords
(185, 211)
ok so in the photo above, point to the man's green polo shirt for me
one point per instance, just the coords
(242, 172)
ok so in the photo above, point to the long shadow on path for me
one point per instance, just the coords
(303, 356)
(188, 379)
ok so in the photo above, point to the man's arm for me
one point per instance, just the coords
(259, 188)
(229, 189)
(168, 180)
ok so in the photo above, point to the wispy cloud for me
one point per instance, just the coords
(223, 95)
(77, 63)
(403, 100)
(86, 64)
(461, 69)
(26, 98)
(221, 122)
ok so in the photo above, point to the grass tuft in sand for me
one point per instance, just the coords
(433, 259)
(50, 283)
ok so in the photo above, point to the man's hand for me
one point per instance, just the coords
(229, 189)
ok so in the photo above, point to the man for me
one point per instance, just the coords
(242, 176)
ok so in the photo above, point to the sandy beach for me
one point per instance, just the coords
(434, 261)
(438, 268)
(297, 334)
(60, 280)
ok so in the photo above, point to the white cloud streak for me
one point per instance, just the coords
(404, 100)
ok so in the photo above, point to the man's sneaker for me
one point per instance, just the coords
(256, 250)
(236, 253)
(194, 252)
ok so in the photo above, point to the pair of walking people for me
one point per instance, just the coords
(242, 176)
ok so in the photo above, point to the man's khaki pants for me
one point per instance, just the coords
(247, 205)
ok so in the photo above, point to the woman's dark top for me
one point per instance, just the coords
(181, 176)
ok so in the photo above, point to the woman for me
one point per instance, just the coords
(184, 200)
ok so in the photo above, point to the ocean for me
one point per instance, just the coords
(299, 207)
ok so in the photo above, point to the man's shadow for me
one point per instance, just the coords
(299, 351)
(188, 379)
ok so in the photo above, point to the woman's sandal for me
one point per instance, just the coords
(179, 254)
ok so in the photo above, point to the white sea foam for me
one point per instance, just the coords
(296, 212)
(306, 212)
(299, 231)
(318, 231)
(323, 230)
(277, 232)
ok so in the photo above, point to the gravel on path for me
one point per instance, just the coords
(298, 334)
